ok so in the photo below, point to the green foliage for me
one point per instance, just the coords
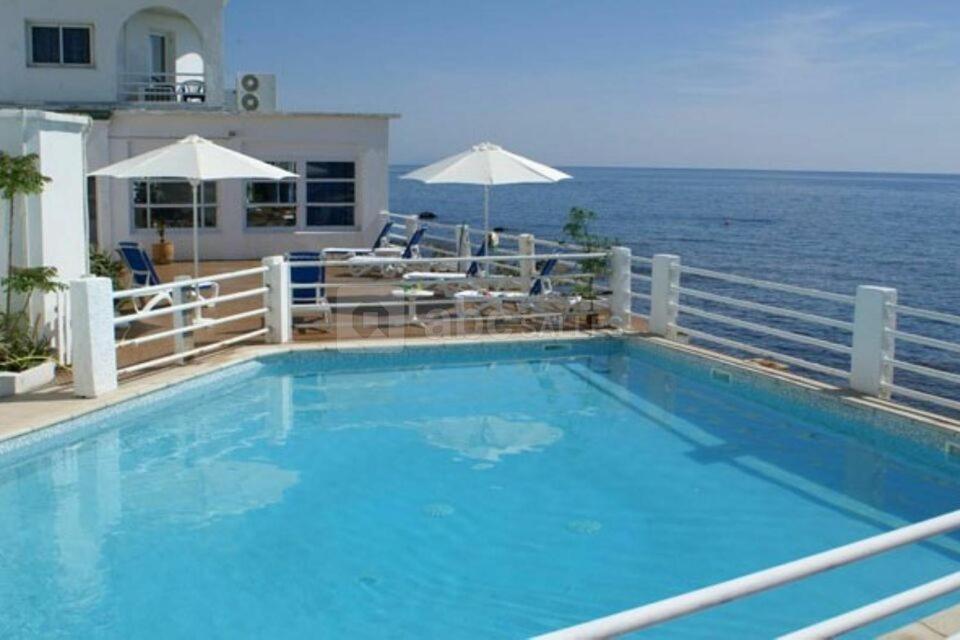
(104, 265)
(19, 175)
(578, 233)
(21, 343)
(161, 226)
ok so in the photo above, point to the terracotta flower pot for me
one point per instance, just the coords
(163, 252)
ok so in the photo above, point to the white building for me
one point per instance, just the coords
(149, 72)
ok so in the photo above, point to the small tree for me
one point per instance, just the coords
(577, 232)
(19, 175)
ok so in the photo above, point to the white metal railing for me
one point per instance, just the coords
(649, 615)
(186, 325)
(95, 321)
(163, 88)
(924, 372)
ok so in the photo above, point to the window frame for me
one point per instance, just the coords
(60, 26)
(149, 206)
(354, 204)
(295, 204)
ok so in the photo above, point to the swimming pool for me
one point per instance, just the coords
(459, 492)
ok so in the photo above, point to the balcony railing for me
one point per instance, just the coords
(164, 88)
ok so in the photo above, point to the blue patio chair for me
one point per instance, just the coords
(143, 273)
(308, 301)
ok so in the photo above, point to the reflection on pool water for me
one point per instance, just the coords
(481, 491)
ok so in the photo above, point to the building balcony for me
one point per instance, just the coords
(175, 89)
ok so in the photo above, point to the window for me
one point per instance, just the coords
(61, 45)
(172, 202)
(331, 194)
(272, 203)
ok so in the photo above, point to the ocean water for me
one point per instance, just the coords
(829, 231)
(470, 492)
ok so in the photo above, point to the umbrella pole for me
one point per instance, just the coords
(196, 233)
(486, 227)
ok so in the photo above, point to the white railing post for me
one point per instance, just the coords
(874, 321)
(665, 295)
(527, 246)
(620, 282)
(278, 318)
(182, 341)
(410, 226)
(461, 238)
(94, 348)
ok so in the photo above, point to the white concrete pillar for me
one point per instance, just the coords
(874, 320)
(620, 282)
(94, 347)
(665, 295)
(279, 318)
(528, 266)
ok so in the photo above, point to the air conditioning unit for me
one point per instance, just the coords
(257, 93)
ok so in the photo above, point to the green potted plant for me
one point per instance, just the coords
(25, 361)
(577, 232)
(163, 249)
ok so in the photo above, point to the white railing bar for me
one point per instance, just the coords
(937, 316)
(730, 590)
(481, 259)
(206, 324)
(766, 308)
(640, 276)
(767, 284)
(767, 353)
(641, 260)
(759, 328)
(143, 315)
(192, 282)
(926, 371)
(924, 397)
(927, 342)
(192, 352)
(878, 610)
(640, 296)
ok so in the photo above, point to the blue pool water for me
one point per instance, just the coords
(454, 492)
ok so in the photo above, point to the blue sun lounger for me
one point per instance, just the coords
(144, 274)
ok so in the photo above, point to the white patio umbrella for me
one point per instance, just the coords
(489, 165)
(196, 160)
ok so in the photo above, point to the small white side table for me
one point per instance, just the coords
(411, 296)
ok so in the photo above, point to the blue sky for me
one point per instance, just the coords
(871, 85)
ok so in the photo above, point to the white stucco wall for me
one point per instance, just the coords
(119, 45)
(360, 139)
(50, 227)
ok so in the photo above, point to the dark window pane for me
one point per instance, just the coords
(175, 217)
(260, 192)
(271, 216)
(180, 192)
(140, 192)
(208, 217)
(330, 170)
(140, 217)
(329, 216)
(76, 45)
(330, 192)
(171, 193)
(45, 44)
(286, 165)
(209, 192)
(271, 192)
